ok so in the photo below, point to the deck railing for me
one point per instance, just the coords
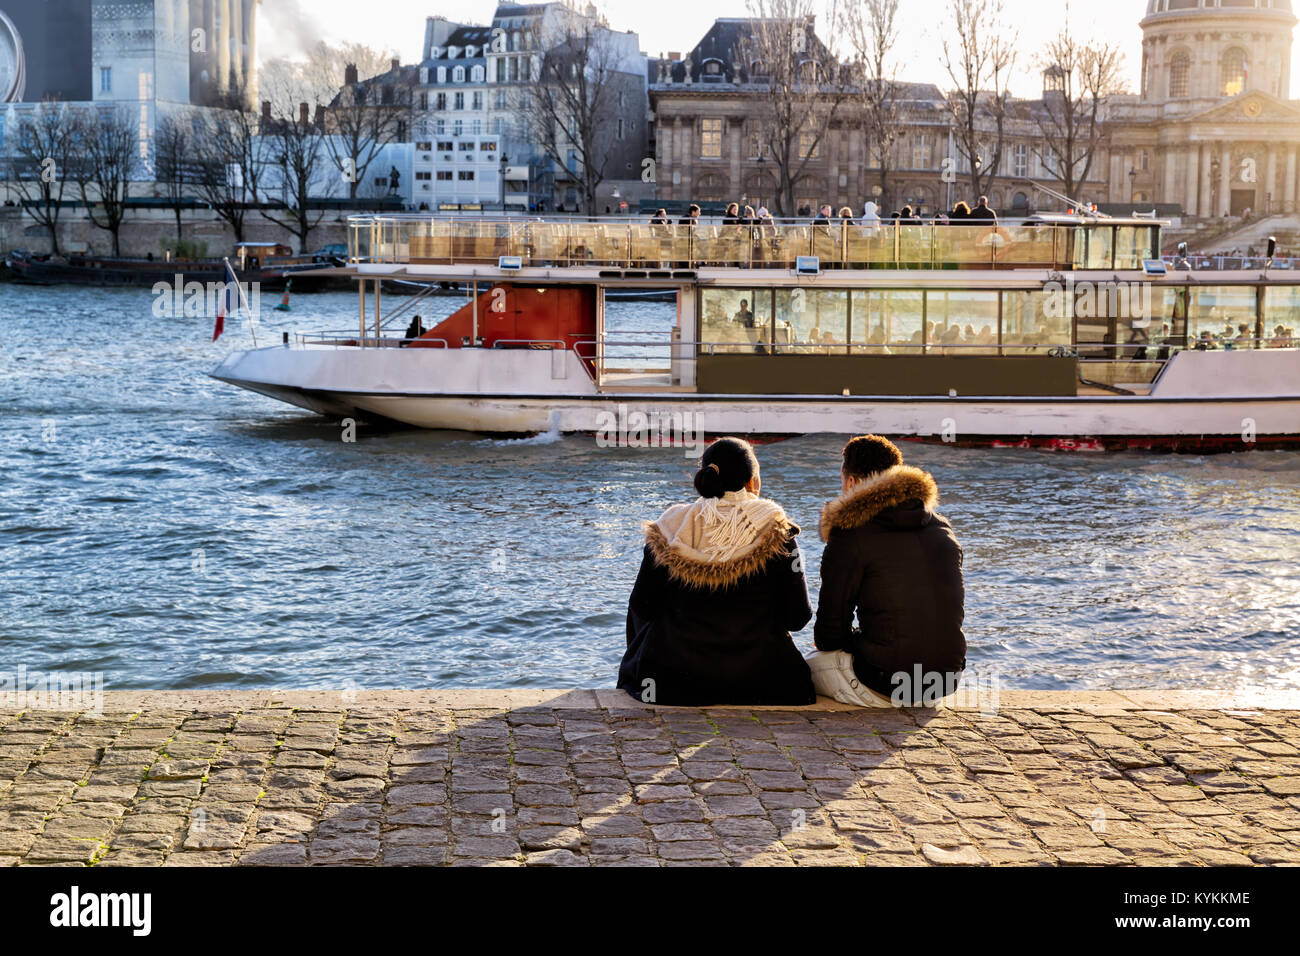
(639, 245)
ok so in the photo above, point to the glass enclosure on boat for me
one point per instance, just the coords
(617, 243)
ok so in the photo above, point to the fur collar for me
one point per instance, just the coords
(892, 487)
(715, 575)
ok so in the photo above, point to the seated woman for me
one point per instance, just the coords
(720, 589)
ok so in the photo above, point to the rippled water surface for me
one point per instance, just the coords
(174, 532)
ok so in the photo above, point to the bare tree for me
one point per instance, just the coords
(46, 151)
(110, 156)
(227, 171)
(175, 168)
(293, 144)
(803, 87)
(363, 118)
(1082, 76)
(979, 54)
(572, 104)
(872, 29)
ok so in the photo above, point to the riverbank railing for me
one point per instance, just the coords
(670, 247)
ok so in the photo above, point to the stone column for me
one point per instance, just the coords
(1225, 183)
(1272, 201)
(222, 41)
(1207, 182)
(735, 139)
(237, 40)
(1171, 177)
(1190, 203)
(1288, 193)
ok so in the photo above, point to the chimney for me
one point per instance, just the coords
(266, 111)
(397, 64)
(350, 75)
(320, 116)
(304, 114)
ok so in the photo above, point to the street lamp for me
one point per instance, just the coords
(504, 160)
(1132, 181)
(1214, 186)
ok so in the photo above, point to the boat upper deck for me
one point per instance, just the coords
(1051, 243)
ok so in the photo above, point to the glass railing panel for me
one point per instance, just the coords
(1025, 246)
(867, 247)
(722, 245)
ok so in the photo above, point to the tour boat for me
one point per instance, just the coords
(1063, 331)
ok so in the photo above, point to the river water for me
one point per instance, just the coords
(175, 532)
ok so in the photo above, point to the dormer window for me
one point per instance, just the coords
(424, 75)
(458, 75)
(442, 74)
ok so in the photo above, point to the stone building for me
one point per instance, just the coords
(1213, 128)
(1211, 133)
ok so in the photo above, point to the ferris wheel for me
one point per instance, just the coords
(13, 63)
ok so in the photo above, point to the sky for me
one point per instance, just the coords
(286, 28)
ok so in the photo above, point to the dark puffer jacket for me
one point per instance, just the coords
(896, 563)
(702, 633)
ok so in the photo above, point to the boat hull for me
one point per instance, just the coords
(528, 391)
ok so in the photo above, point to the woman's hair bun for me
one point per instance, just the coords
(726, 465)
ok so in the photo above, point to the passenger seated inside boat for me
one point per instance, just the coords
(721, 587)
(415, 329)
(744, 315)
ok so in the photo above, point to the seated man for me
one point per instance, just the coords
(896, 563)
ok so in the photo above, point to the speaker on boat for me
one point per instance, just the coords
(808, 266)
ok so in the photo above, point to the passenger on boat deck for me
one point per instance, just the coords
(720, 588)
(749, 217)
(846, 216)
(660, 218)
(744, 315)
(732, 216)
(415, 329)
(982, 212)
(691, 218)
(893, 562)
(1243, 336)
(870, 214)
(823, 216)
(960, 213)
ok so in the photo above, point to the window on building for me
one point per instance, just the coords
(476, 74)
(423, 175)
(444, 175)
(488, 146)
(424, 147)
(922, 152)
(402, 131)
(424, 101)
(442, 74)
(1020, 159)
(1144, 161)
(1234, 72)
(501, 69)
(501, 99)
(1179, 69)
(498, 126)
(711, 138)
(440, 101)
(457, 127)
(620, 129)
(446, 146)
(464, 175)
(458, 101)
(106, 79)
(467, 147)
(810, 146)
(476, 127)
(458, 75)
(424, 74)
(476, 101)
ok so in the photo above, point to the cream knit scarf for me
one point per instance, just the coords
(716, 530)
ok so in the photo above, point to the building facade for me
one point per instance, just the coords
(1212, 132)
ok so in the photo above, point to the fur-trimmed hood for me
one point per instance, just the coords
(713, 543)
(892, 487)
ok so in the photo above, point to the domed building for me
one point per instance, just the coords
(1213, 127)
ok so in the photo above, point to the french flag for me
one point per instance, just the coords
(226, 301)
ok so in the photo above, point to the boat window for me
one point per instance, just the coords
(1132, 246)
(1281, 306)
(888, 322)
(1035, 320)
(811, 320)
(735, 320)
(961, 323)
(1169, 315)
(1221, 317)
(1097, 249)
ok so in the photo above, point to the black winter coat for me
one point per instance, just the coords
(719, 633)
(896, 563)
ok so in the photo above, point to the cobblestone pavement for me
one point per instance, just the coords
(591, 777)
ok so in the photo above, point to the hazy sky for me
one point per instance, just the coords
(665, 25)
